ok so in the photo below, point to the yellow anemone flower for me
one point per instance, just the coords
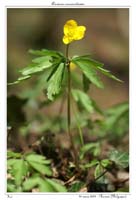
(73, 32)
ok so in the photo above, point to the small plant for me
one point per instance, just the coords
(28, 170)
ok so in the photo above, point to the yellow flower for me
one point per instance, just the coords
(73, 32)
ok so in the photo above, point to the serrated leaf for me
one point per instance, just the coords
(37, 66)
(55, 82)
(22, 78)
(11, 187)
(30, 183)
(39, 163)
(54, 68)
(87, 61)
(43, 169)
(11, 162)
(83, 99)
(108, 73)
(45, 52)
(19, 170)
(44, 185)
(117, 119)
(56, 185)
(36, 158)
(86, 67)
(38, 182)
(42, 59)
(11, 154)
(121, 159)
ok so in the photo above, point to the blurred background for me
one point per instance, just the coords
(106, 39)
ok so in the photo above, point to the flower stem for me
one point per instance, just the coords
(69, 111)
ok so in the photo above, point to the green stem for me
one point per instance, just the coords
(69, 110)
(78, 126)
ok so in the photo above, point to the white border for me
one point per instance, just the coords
(3, 64)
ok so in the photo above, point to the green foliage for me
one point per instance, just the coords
(98, 171)
(116, 121)
(11, 154)
(38, 163)
(18, 170)
(56, 185)
(55, 82)
(44, 185)
(31, 171)
(91, 164)
(86, 83)
(83, 100)
(47, 59)
(76, 186)
(105, 162)
(93, 148)
(26, 171)
(46, 52)
(86, 66)
(90, 67)
(121, 159)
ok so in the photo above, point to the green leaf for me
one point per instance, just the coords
(19, 170)
(11, 162)
(108, 73)
(98, 171)
(44, 185)
(11, 186)
(90, 147)
(84, 100)
(116, 120)
(105, 162)
(86, 83)
(39, 183)
(86, 63)
(11, 154)
(121, 159)
(42, 59)
(30, 183)
(37, 158)
(22, 78)
(45, 52)
(55, 82)
(91, 164)
(56, 185)
(88, 70)
(54, 68)
(39, 163)
(38, 66)
(76, 186)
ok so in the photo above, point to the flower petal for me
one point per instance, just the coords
(67, 39)
(73, 32)
(69, 27)
(79, 33)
